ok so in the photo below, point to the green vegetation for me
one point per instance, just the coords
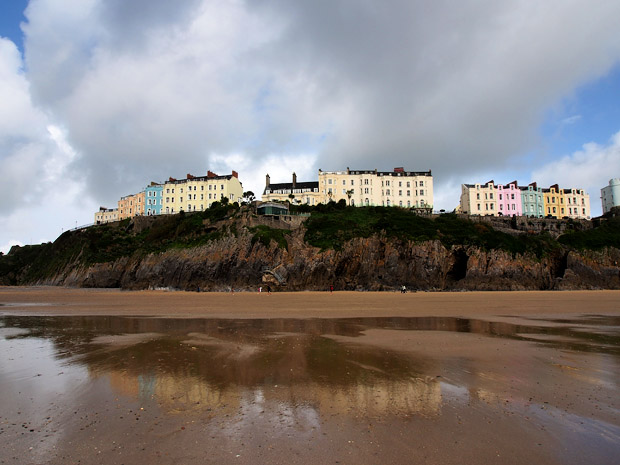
(331, 228)
(105, 243)
(265, 234)
(605, 235)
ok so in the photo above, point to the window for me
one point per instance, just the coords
(400, 193)
(408, 184)
(491, 195)
(400, 203)
(202, 196)
(202, 187)
(210, 188)
(400, 184)
(353, 182)
(181, 199)
(222, 186)
(365, 190)
(344, 183)
(478, 196)
(329, 181)
(478, 206)
(387, 183)
(366, 181)
(408, 193)
(421, 183)
(421, 191)
(344, 191)
(181, 192)
(387, 192)
(500, 196)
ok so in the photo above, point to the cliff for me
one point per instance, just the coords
(242, 252)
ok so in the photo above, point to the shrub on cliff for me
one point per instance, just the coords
(607, 234)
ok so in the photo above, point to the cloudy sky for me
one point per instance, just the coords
(100, 97)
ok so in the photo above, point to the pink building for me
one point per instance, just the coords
(509, 200)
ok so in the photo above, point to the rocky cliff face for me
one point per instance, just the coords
(375, 263)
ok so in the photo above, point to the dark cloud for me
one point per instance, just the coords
(148, 89)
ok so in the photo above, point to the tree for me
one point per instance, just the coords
(248, 197)
(292, 197)
(349, 194)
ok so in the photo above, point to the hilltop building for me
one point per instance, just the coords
(131, 205)
(295, 192)
(106, 215)
(610, 195)
(154, 199)
(479, 199)
(408, 189)
(398, 188)
(531, 200)
(197, 193)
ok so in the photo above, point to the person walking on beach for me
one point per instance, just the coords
(268, 290)
(331, 289)
(260, 289)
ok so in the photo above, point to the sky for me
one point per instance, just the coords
(100, 97)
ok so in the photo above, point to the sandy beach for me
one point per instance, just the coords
(108, 376)
(345, 304)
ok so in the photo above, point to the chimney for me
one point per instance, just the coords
(267, 181)
(399, 169)
(294, 180)
(189, 176)
(235, 174)
(171, 179)
(211, 174)
(534, 185)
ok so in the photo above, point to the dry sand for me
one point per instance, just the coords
(489, 395)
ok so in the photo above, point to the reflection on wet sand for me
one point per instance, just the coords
(291, 379)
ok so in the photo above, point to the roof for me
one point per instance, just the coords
(288, 186)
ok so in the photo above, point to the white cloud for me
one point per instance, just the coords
(146, 89)
(589, 169)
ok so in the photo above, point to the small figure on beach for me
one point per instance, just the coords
(331, 289)
(268, 289)
(403, 290)
(260, 289)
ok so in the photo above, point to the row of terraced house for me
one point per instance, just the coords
(193, 193)
(400, 188)
(531, 200)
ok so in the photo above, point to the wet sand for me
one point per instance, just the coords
(107, 376)
(62, 301)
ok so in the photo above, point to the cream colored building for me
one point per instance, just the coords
(306, 193)
(398, 188)
(577, 204)
(479, 199)
(106, 215)
(197, 193)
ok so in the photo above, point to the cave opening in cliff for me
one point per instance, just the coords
(458, 270)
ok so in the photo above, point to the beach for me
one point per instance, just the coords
(110, 376)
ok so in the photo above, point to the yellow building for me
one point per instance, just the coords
(398, 188)
(197, 193)
(306, 193)
(106, 215)
(554, 202)
(479, 199)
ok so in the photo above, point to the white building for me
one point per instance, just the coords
(610, 195)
